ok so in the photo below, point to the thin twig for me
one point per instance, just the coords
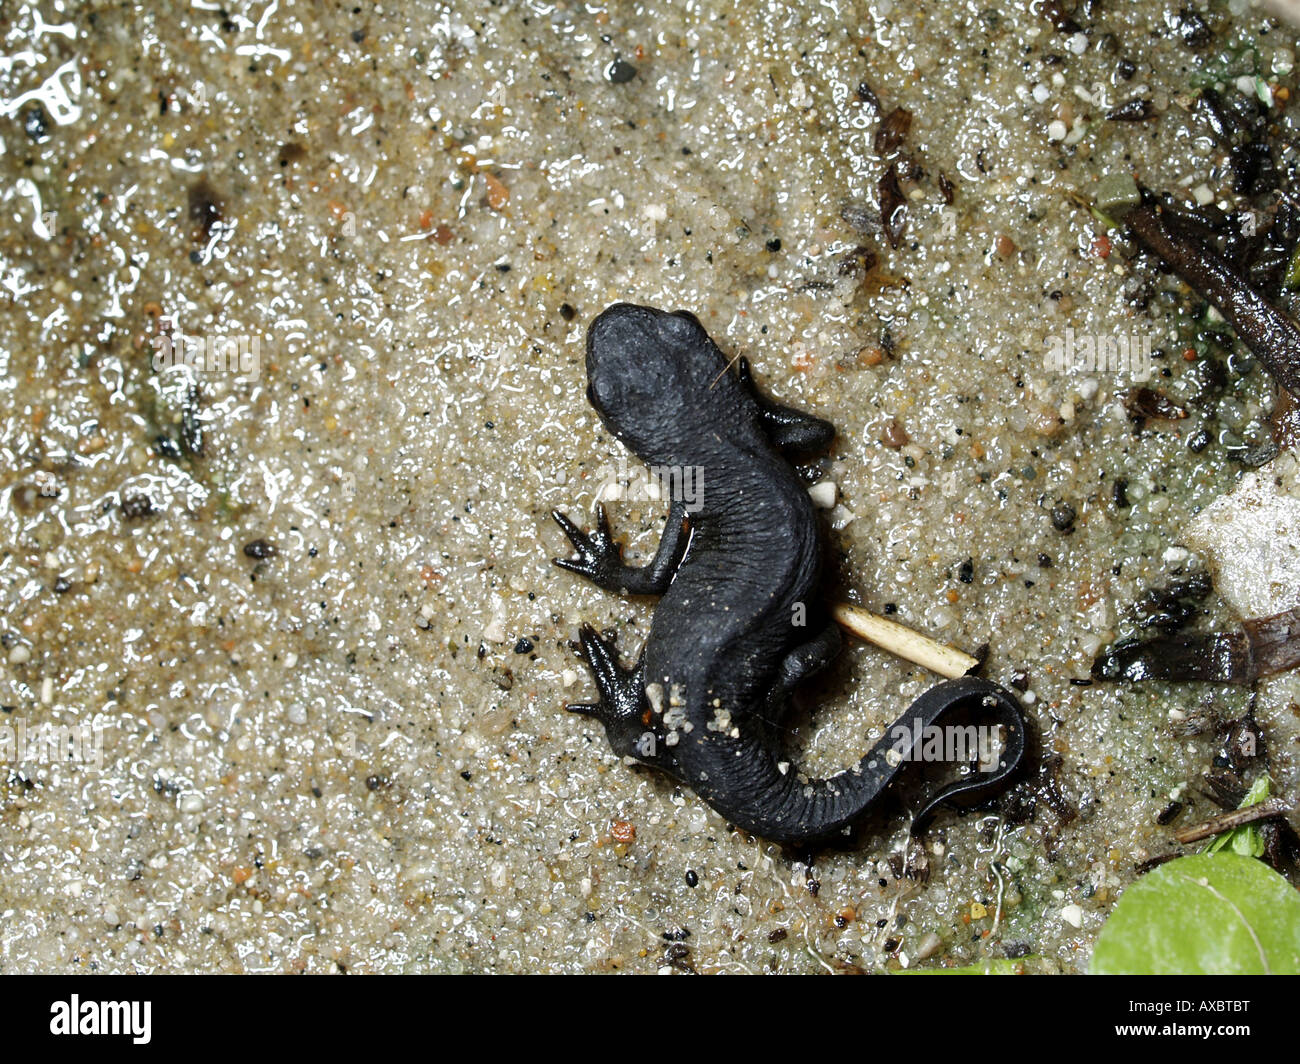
(904, 642)
(1235, 819)
(735, 358)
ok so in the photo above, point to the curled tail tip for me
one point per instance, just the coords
(980, 786)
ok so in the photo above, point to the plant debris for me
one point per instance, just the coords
(893, 207)
(1251, 814)
(1270, 333)
(893, 130)
(1136, 110)
(1146, 404)
(1263, 646)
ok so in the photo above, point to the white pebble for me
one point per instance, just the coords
(1057, 130)
(842, 517)
(20, 654)
(930, 945)
(1041, 93)
(495, 630)
(192, 803)
(1072, 915)
(823, 494)
(940, 617)
(1078, 44)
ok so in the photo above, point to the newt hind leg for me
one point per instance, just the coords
(799, 664)
(623, 708)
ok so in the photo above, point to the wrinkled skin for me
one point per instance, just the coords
(736, 629)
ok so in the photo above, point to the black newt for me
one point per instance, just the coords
(737, 567)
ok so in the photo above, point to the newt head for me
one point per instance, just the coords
(650, 374)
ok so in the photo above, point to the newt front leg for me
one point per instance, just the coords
(600, 559)
(789, 428)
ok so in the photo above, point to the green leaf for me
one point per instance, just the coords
(1221, 914)
(1246, 840)
(1292, 278)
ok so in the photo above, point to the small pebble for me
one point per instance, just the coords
(895, 435)
(1063, 517)
(823, 494)
(930, 945)
(35, 124)
(842, 517)
(259, 548)
(620, 72)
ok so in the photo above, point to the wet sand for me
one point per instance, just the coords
(303, 605)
